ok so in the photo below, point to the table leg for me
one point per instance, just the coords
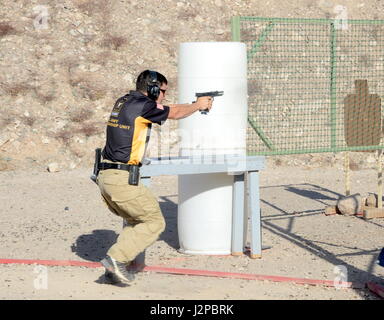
(238, 215)
(255, 214)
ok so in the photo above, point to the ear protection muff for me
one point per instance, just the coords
(153, 89)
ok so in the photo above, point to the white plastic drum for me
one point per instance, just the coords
(205, 200)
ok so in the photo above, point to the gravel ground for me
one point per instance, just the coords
(60, 216)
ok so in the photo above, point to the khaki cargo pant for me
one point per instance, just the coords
(138, 206)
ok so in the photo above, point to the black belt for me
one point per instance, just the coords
(119, 166)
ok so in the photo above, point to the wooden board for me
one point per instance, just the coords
(370, 213)
(331, 210)
(362, 117)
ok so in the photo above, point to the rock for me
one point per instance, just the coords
(53, 167)
(350, 205)
(94, 68)
(218, 3)
(72, 165)
(45, 140)
(199, 19)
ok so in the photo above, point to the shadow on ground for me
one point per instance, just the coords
(94, 246)
(169, 210)
(320, 195)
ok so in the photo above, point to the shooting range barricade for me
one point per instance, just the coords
(243, 168)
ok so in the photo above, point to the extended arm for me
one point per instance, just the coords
(180, 111)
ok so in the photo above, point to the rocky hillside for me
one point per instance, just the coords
(64, 63)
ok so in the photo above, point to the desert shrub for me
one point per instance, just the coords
(90, 129)
(64, 135)
(88, 89)
(354, 166)
(92, 8)
(14, 89)
(6, 29)
(7, 119)
(189, 13)
(6, 165)
(101, 58)
(81, 115)
(95, 93)
(28, 120)
(114, 42)
(45, 97)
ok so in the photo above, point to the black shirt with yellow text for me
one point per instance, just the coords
(129, 125)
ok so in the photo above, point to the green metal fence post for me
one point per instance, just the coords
(333, 87)
(235, 27)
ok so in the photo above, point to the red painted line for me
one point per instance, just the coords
(192, 272)
(248, 276)
(52, 262)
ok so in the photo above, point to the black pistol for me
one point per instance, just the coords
(96, 165)
(212, 94)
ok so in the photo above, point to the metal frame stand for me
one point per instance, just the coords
(246, 195)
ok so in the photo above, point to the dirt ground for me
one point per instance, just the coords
(60, 216)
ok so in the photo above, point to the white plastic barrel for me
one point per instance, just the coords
(205, 200)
